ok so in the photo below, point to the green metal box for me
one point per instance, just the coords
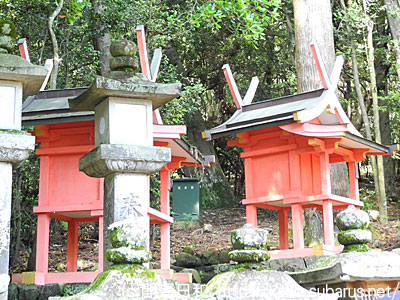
(186, 204)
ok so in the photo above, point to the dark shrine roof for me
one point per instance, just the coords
(291, 113)
(267, 113)
(50, 107)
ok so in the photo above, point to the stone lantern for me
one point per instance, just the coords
(18, 79)
(124, 154)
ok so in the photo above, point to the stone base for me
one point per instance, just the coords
(107, 159)
(15, 146)
(138, 284)
(250, 284)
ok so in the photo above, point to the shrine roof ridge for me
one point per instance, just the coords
(282, 100)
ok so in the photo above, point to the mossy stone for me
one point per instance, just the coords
(189, 250)
(210, 257)
(184, 259)
(195, 274)
(121, 237)
(356, 248)
(248, 237)
(126, 255)
(7, 36)
(123, 48)
(13, 291)
(124, 63)
(352, 218)
(242, 256)
(355, 236)
(6, 43)
(7, 28)
(223, 256)
(132, 270)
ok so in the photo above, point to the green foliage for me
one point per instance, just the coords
(182, 108)
(367, 196)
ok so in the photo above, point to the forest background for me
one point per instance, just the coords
(256, 37)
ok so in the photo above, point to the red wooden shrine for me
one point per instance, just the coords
(288, 146)
(67, 194)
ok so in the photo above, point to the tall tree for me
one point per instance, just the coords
(56, 54)
(360, 96)
(393, 11)
(313, 22)
(101, 37)
(374, 93)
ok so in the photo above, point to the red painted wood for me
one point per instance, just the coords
(327, 221)
(297, 225)
(72, 246)
(291, 171)
(354, 194)
(283, 229)
(71, 277)
(165, 249)
(157, 217)
(302, 252)
(42, 244)
(251, 214)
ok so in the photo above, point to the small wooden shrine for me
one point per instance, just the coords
(67, 194)
(288, 145)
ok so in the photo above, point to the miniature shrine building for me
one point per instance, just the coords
(288, 145)
(67, 194)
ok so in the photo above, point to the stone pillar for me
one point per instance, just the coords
(18, 78)
(124, 152)
(126, 186)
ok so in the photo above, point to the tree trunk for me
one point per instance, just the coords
(392, 12)
(388, 161)
(313, 22)
(381, 177)
(216, 191)
(56, 55)
(360, 96)
(101, 39)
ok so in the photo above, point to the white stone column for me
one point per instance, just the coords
(124, 155)
(5, 216)
(18, 78)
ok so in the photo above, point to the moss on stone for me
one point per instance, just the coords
(217, 282)
(223, 256)
(249, 255)
(210, 257)
(189, 249)
(323, 262)
(127, 255)
(14, 131)
(356, 248)
(129, 269)
(249, 266)
(10, 31)
(118, 240)
(354, 236)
